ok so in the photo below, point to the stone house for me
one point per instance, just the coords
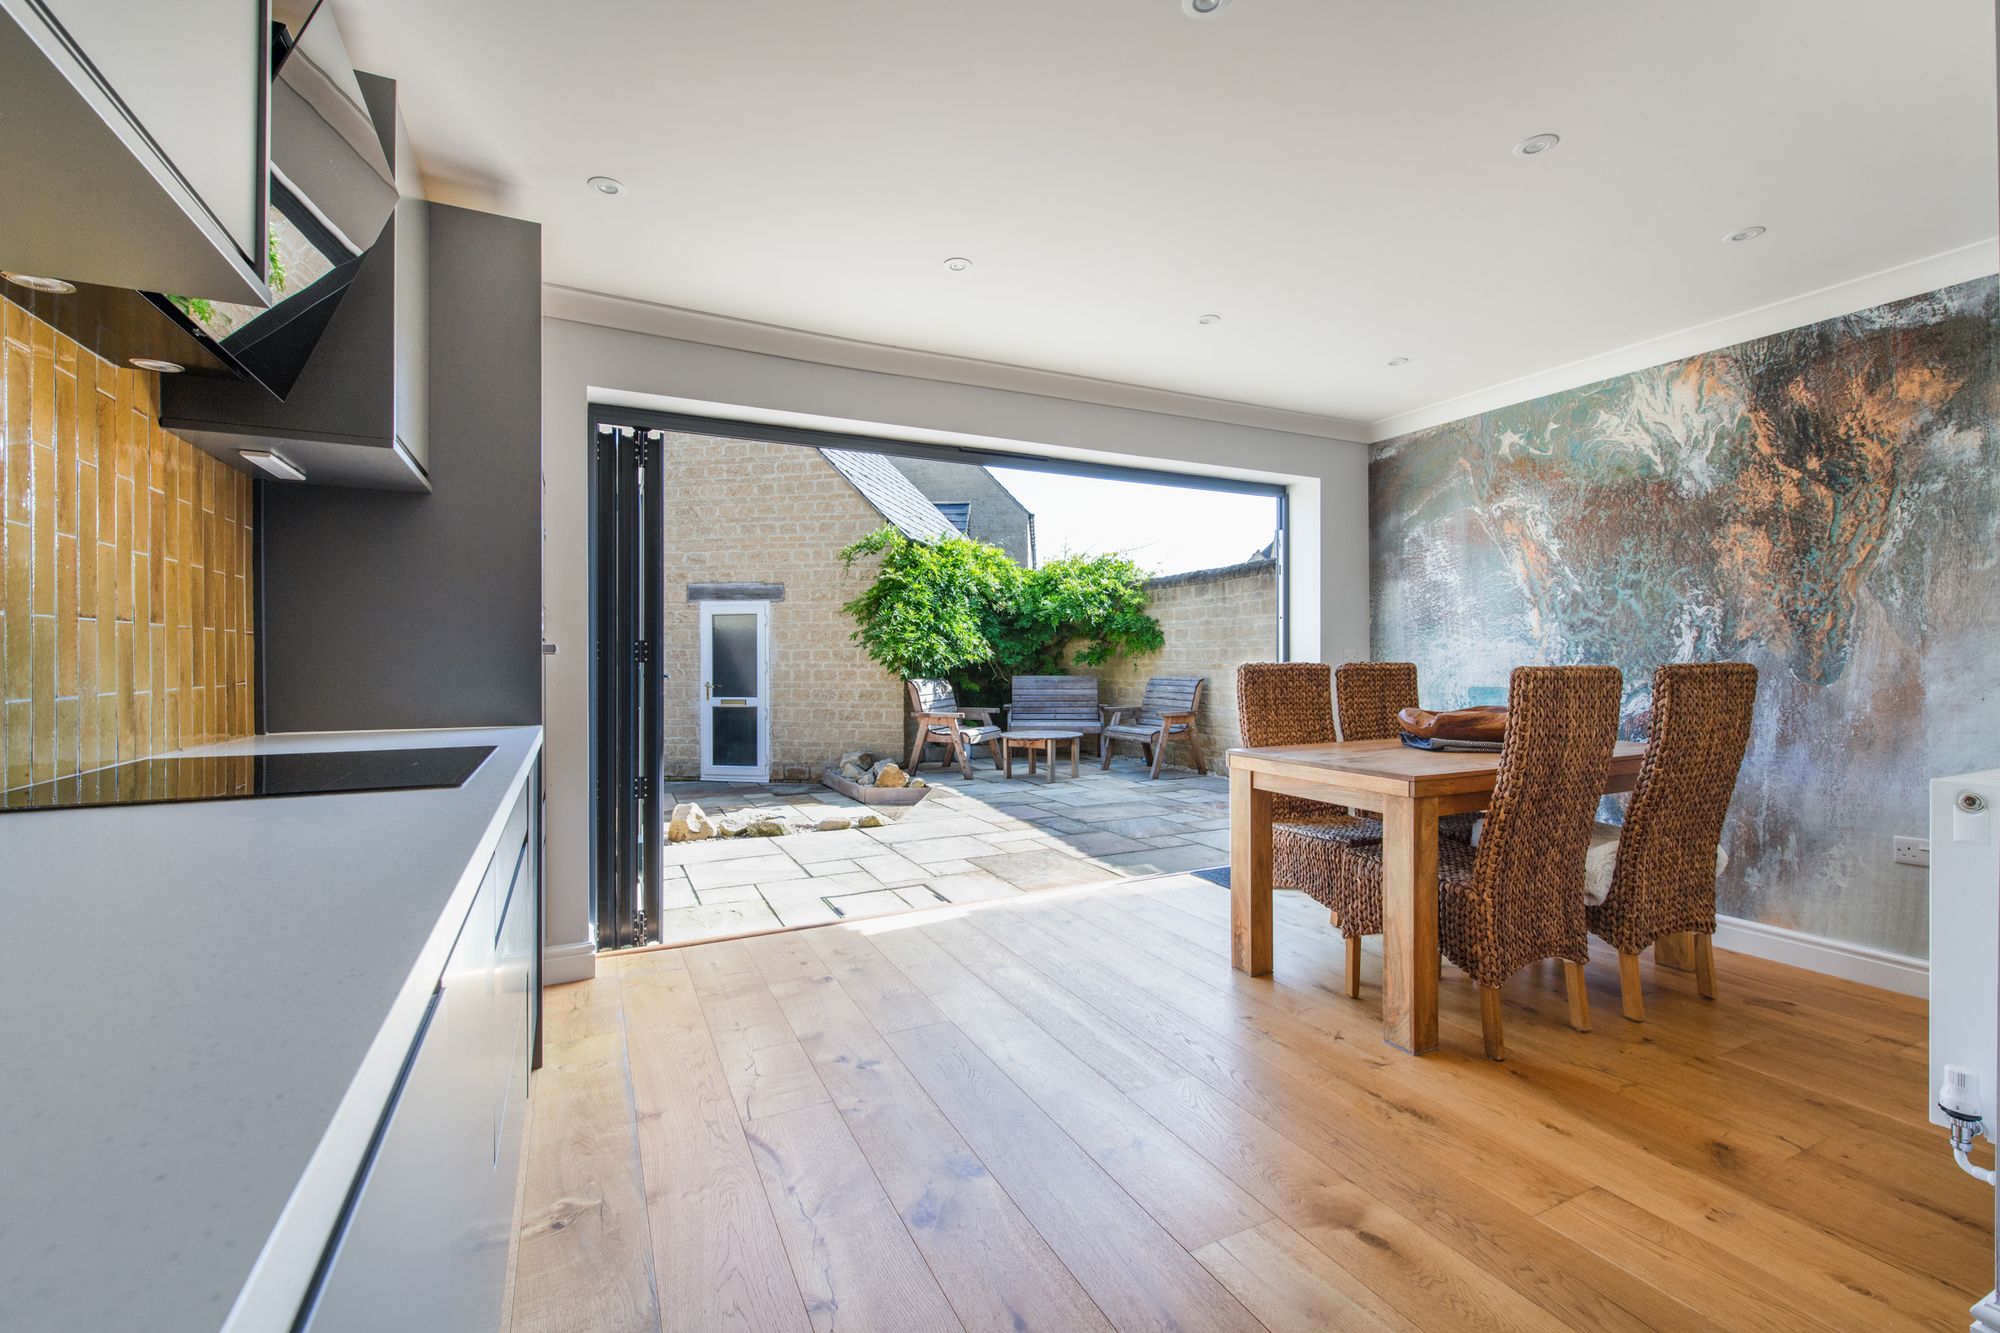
(977, 503)
(764, 679)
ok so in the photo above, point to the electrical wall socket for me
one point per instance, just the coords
(1910, 851)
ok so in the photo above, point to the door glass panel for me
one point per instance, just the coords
(733, 737)
(733, 645)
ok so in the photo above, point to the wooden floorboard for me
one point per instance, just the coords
(718, 1261)
(1067, 1111)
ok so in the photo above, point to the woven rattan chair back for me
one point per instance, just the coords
(1287, 703)
(1528, 875)
(1665, 880)
(1370, 694)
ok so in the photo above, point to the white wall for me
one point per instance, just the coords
(581, 363)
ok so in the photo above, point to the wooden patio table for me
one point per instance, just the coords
(1410, 788)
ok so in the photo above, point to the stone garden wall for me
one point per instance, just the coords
(1215, 620)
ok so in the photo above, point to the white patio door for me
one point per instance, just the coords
(735, 691)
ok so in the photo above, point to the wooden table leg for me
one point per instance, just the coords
(1076, 744)
(1410, 924)
(1249, 874)
(1007, 758)
(1049, 758)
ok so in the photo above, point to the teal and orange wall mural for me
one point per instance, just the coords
(1823, 503)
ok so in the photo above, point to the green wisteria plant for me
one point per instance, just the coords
(960, 609)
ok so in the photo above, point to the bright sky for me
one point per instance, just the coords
(1167, 529)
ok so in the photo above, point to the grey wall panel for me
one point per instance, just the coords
(401, 610)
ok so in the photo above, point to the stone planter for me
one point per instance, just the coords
(868, 795)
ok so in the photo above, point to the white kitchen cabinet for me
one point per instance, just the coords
(424, 1240)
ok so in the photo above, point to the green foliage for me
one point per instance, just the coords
(195, 308)
(927, 611)
(202, 311)
(962, 610)
(1098, 599)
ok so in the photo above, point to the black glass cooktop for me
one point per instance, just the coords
(224, 777)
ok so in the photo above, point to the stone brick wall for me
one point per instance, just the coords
(745, 512)
(1215, 620)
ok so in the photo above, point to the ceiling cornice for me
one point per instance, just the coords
(1844, 298)
(696, 326)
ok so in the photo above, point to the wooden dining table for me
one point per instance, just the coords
(1410, 788)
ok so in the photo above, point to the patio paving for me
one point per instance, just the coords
(966, 842)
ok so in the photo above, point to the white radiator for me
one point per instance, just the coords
(1965, 933)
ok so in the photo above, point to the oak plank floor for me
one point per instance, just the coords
(1066, 1111)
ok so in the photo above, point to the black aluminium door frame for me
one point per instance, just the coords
(627, 609)
(627, 605)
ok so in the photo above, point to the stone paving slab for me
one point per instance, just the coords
(929, 851)
(1043, 870)
(1164, 860)
(742, 870)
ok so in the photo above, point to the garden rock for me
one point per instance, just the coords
(689, 823)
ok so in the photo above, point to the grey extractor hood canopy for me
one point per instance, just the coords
(331, 192)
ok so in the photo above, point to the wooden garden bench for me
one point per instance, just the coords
(1056, 703)
(941, 721)
(1166, 713)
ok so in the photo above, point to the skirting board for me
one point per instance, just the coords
(568, 962)
(1837, 958)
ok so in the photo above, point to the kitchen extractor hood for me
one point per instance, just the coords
(331, 193)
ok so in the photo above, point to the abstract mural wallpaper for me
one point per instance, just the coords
(1823, 503)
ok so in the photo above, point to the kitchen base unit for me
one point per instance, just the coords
(269, 1058)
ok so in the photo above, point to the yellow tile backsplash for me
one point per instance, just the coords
(125, 624)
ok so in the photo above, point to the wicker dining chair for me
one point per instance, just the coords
(1289, 703)
(1664, 881)
(1517, 897)
(1368, 696)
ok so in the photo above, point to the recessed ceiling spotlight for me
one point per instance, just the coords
(607, 185)
(1745, 234)
(157, 366)
(958, 263)
(1201, 9)
(1397, 361)
(1536, 144)
(1208, 319)
(54, 286)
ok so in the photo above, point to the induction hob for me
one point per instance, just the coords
(225, 777)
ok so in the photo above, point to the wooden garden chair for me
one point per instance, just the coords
(942, 721)
(1166, 713)
(1056, 703)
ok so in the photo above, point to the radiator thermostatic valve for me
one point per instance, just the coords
(1958, 1098)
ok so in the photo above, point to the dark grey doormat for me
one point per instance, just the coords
(1219, 875)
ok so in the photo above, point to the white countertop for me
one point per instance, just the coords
(203, 1011)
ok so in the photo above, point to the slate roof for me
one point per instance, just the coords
(891, 493)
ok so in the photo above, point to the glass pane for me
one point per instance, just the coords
(733, 737)
(733, 655)
(296, 263)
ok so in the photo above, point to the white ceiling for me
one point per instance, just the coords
(1334, 178)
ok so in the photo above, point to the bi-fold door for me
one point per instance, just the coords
(626, 694)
